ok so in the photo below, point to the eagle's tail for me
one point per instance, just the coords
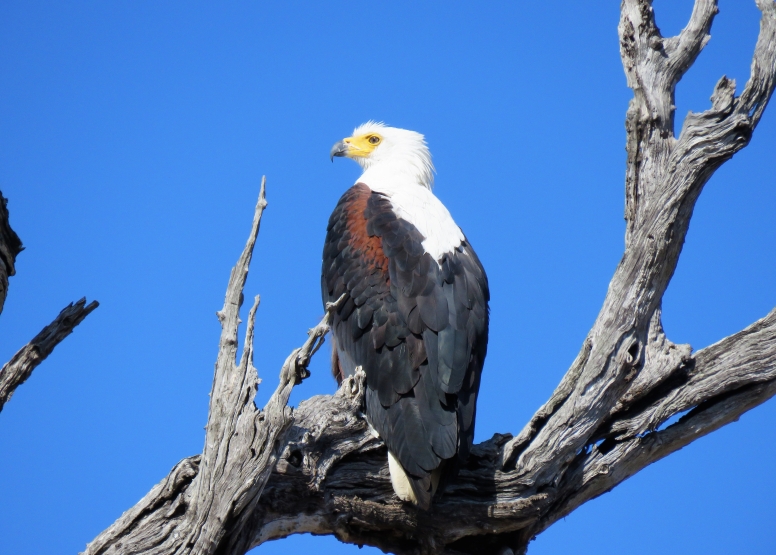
(418, 491)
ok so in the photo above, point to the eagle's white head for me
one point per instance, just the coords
(375, 146)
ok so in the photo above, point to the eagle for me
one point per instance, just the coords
(415, 310)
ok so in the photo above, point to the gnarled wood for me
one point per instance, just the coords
(319, 468)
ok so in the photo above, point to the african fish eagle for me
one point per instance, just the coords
(415, 313)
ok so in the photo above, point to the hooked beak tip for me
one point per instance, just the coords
(339, 149)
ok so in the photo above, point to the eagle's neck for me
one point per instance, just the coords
(399, 166)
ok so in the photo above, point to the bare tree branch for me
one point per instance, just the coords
(231, 412)
(207, 501)
(743, 360)
(16, 371)
(20, 367)
(600, 426)
(663, 181)
(683, 50)
(10, 247)
(722, 382)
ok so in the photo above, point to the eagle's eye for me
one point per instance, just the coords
(374, 139)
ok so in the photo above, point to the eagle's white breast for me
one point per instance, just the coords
(417, 205)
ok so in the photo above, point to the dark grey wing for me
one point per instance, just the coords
(417, 327)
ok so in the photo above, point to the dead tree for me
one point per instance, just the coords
(266, 474)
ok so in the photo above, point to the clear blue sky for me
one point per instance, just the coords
(133, 136)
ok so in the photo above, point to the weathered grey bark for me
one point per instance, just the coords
(20, 367)
(319, 469)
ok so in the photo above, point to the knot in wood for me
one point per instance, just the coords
(656, 43)
(630, 357)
